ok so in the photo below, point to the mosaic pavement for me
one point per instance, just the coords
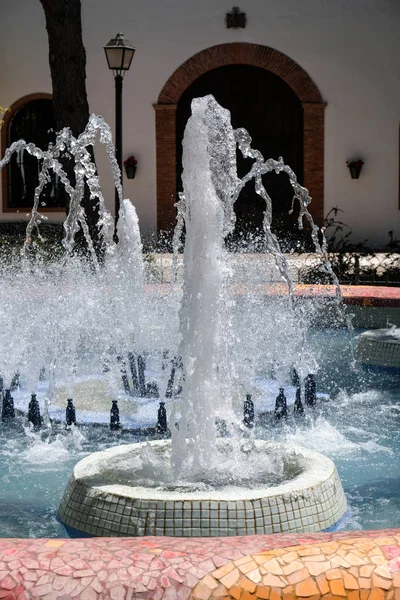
(356, 295)
(331, 566)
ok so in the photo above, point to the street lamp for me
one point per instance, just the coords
(119, 54)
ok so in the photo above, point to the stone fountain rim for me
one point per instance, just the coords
(319, 469)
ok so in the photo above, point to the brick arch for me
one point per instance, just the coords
(240, 53)
(227, 54)
(4, 142)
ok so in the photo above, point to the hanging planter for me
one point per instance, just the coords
(355, 167)
(130, 165)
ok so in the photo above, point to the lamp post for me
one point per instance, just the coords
(119, 54)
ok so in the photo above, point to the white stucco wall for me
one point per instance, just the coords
(350, 49)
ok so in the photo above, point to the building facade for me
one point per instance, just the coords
(316, 82)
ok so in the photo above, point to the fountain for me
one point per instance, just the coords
(214, 477)
(84, 334)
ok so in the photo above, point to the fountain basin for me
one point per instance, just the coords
(94, 504)
(380, 348)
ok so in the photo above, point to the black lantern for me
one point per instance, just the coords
(119, 54)
(236, 19)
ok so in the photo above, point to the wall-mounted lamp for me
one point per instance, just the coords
(355, 167)
(236, 19)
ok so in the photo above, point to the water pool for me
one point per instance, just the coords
(358, 427)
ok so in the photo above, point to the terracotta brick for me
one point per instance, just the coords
(235, 592)
(220, 592)
(290, 557)
(230, 579)
(307, 588)
(350, 582)
(246, 584)
(248, 566)
(296, 565)
(313, 551)
(263, 592)
(273, 581)
(323, 584)
(333, 574)
(354, 571)
(376, 594)
(396, 579)
(275, 594)
(272, 566)
(202, 591)
(383, 571)
(354, 560)
(385, 541)
(298, 576)
(218, 573)
(318, 568)
(247, 596)
(366, 570)
(337, 587)
(380, 582)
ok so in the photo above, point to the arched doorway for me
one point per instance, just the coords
(267, 107)
(238, 54)
(30, 118)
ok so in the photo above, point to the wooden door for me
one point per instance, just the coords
(266, 106)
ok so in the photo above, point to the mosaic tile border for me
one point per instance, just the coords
(314, 502)
(353, 565)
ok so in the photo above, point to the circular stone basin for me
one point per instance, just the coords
(100, 501)
(379, 348)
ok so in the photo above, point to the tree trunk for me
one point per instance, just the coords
(67, 58)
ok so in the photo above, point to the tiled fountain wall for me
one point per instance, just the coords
(380, 348)
(312, 501)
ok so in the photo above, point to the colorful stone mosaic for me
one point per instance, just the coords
(330, 566)
(355, 295)
(312, 501)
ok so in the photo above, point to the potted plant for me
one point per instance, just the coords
(355, 167)
(130, 165)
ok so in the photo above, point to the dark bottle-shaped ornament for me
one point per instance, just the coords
(310, 390)
(248, 412)
(8, 412)
(298, 409)
(162, 425)
(295, 378)
(34, 412)
(70, 414)
(114, 416)
(281, 405)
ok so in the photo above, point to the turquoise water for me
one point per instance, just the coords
(358, 427)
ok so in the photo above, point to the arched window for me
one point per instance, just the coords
(33, 121)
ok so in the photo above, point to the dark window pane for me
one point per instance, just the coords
(35, 123)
